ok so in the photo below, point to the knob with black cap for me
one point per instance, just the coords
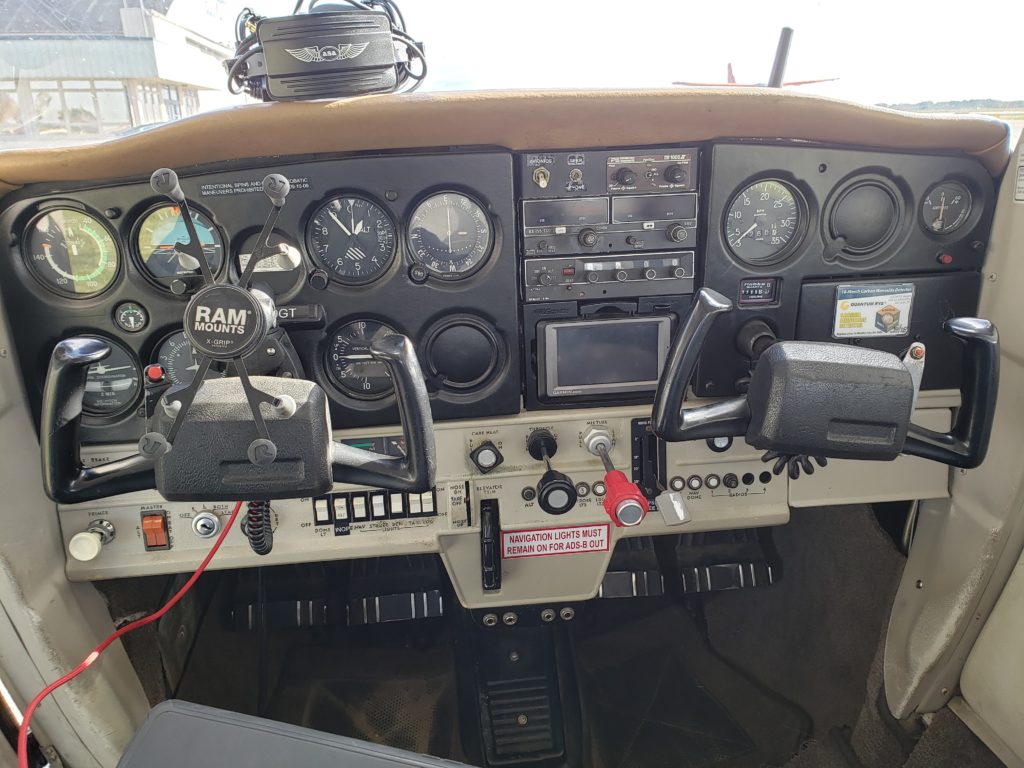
(675, 174)
(677, 233)
(587, 237)
(556, 492)
(626, 177)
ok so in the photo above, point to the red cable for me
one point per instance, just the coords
(88, 660)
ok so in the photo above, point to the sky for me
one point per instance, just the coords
(882, 51)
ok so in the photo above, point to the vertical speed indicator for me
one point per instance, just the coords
(763, 221)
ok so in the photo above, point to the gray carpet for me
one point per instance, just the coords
(812, 637)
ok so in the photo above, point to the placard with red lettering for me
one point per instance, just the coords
(543, 542)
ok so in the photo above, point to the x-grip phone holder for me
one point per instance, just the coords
(832, 400)
(244, 437)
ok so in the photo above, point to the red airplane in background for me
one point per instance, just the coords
(732, 81)
(775, 81)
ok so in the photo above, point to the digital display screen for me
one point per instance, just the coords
(654, 208)
(605, 356)
(565, 213)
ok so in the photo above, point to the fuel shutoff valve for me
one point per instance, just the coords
(624, 502)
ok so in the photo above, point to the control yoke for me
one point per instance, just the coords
(823, 399)
(241, 437)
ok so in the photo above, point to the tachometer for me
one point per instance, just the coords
(450, 235)
(352, 237)
(349, 363)
(178, 359)
(762, 222)
(158, 234)
(946, 207)
(113, 384)
(72, 253)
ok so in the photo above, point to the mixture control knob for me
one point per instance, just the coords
(486, 456)
(588, 237)
(677, 233)
(626, 177)
(675, 174)
(86, 545)
(556, 493)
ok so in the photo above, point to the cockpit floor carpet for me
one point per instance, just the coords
(655, 695)
(402, 698)
(812, 636)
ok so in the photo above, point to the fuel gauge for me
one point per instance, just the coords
(946, 207)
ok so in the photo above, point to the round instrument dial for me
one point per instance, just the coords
(113, 384)
(352, 237)
(762, 223)
(450, 234)
(946, 207)
(351, 367)
(178, 359)
(160, 231)
(72, 253)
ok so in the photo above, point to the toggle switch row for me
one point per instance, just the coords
(367, 506)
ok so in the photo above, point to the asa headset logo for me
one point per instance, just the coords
(312, 53)
(220, 320)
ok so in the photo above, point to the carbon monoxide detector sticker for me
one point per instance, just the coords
(542, 542)
(873, 309)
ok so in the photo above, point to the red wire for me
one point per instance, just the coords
(88, 660)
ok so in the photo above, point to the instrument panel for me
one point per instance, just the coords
(422, 245)
(501, 267)
(537, 287)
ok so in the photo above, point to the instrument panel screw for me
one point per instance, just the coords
(112, 213)
(522, 720)
(391, 195)
(509, 619)
(513, 656)
(490, 620)
(3, 352)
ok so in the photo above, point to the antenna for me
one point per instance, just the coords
(781, 55)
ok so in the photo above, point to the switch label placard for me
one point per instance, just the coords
(541, 542)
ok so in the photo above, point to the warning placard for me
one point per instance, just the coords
(873, 309)
(540, 542)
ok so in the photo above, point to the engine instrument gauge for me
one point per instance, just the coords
(350, 365)
(179, 361)
(450, 235)
(352, 237)
(72, 253)
(946, 207)
(763, 222)
(113, 384)
(162, 229)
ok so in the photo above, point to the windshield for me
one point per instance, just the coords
(74, 71)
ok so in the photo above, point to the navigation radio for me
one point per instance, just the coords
(609, 260)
